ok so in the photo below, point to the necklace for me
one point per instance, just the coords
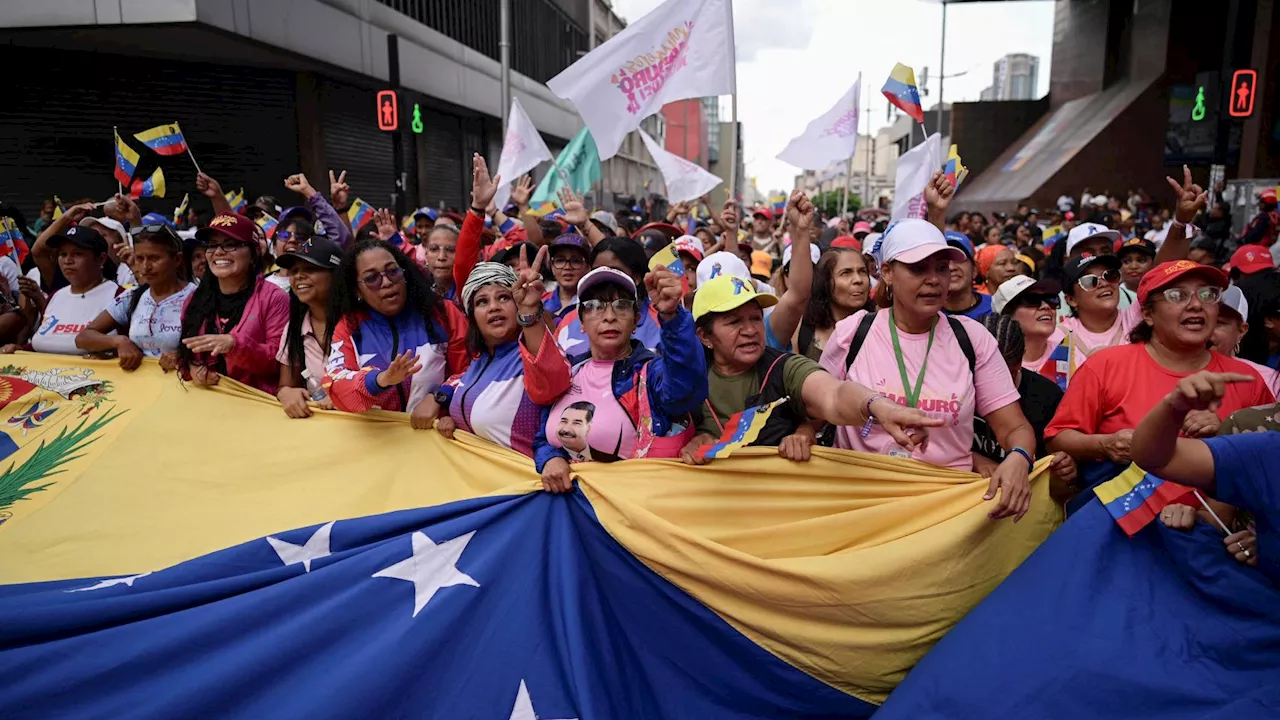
(913, 394)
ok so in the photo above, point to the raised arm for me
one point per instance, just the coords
(1191, 199)
(789, 311)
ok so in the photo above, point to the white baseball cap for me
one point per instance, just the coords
(722, 263)
(108, 223)
(814, 253)
(1010, 289)
(608, 275)
(912, 240)
(1234, 299)
(1085, 231)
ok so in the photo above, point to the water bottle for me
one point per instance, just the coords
(314, 388)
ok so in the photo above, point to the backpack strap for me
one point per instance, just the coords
(805, 338)
(859, 337)
(966, 344)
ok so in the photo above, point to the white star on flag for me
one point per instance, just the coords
(431, 567)
(362, 358)
(315, 548)
(523, 709)
(128, 580)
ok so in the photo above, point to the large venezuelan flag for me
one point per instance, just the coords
(176, 551)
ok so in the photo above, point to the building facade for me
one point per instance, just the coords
(264, 89)
(1013, 77)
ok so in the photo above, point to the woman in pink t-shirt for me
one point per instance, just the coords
(910, 353)
(1091, 284)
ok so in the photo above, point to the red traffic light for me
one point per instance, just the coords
(1244, 84)
(388, 110)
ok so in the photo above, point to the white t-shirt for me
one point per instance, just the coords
(10, 270)
(66, 314)
(156, 328)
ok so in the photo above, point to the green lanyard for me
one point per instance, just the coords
(913, 394)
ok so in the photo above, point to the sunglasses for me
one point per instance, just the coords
(1207, 295)
(1091, 282)
(287, 235)
(1035, 301)
(620, 306)
(375, 280)
(157, 229)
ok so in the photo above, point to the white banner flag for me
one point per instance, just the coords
(682, 49)
(914, 170)
(685, 180)
(834, 136)
(522, 150)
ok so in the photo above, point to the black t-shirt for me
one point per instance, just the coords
(1039, 401)
(1262, 290)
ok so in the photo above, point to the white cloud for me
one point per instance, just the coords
(797, 57)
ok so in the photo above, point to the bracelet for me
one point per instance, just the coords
(529, 320)
(1031, 461)
(871, 419)
(1179, 224)
(478, 211)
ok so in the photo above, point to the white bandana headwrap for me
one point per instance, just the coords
(486, 273)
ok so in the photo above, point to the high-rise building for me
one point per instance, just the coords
(1013, 77)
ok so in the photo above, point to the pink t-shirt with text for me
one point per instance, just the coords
(948, 390)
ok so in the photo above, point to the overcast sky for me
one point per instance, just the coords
(797, 57)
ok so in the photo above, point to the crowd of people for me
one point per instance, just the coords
(967, 341)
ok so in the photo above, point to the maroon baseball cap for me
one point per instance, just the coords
(233, 225)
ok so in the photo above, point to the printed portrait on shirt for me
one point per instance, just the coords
(575, 423)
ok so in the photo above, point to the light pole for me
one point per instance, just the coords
(504, 57)
(942, 65)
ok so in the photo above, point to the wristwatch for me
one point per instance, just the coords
(442, 399)
(529, 320)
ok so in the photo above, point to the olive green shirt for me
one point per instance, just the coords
(727, 394)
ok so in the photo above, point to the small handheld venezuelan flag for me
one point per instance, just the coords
(779, 203)
(164, 139)
(741, 430)
(901, 90)
(359, 213)
(669, 258)
(1135, 497)
(236, 200)
(181, 210)
(126, 161)
(57, 207)
(151, 187)
(954, 169)
(10, 238)
(268, 225)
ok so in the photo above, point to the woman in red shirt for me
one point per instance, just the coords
(1111, 393)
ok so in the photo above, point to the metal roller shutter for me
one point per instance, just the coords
(239, 123)
(441, 184)
(353, 142)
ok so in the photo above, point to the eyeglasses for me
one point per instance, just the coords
(1091, 282)
(227, 247)
(375, 280)
(1207, 295)
(620, 306)
(562, 262)
(287, 235)
(1035, 301)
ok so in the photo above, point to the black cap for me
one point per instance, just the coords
(318, 250)
(512, 254)
(1136, 243)
(85, 237)
(1075, 268)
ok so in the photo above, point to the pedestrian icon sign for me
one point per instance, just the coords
(416, 124)
(1197, 112)
(1243, 86)
(388, 111)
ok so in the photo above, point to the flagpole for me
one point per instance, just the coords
(848, 173)
(115, 151)
(733, 111)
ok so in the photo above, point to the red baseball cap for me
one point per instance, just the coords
(1268, 196)
(1250, 259)
(765, 211)
(233, 225)
(1168, 273)
(844, 241)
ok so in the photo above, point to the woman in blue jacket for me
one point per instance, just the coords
(623, 396)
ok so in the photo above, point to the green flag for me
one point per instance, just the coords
(579, 160)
